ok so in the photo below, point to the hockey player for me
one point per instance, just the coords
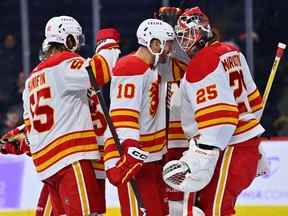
(136, 114)
(177, 143)
(220, 102)
(63, 141)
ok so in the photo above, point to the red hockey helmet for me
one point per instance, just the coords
(192, 29)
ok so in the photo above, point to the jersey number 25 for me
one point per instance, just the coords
(38, 110)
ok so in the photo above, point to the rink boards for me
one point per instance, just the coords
(20, 186)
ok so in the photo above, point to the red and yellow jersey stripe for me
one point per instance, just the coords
(125, 118)
(100, 69)
(175, 131)
(63, 146)
(217, 114)
(255, 101)
(178, 69)
(99, 164)
(153, 142)
(244, 126)
(110, 149)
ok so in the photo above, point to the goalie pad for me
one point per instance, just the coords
(193, 171)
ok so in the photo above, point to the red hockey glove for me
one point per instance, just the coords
(107, 38)
(14, 142)
(169, 14)
(129, 164)
(16, 147)
(15, 134)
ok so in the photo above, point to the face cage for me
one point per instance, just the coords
(187, 38)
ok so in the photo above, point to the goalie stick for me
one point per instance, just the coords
(279, 53)
(114, 134)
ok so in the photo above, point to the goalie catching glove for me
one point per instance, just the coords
(194, 170)
(129, 164)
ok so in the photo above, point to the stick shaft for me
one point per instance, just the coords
(280, 49)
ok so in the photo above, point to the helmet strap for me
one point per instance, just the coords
(156, 55)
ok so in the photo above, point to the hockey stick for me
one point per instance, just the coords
(279, 53)
(114, 134)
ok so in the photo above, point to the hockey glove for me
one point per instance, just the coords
(129, 164)
(15, 134)
(107, 38)
(193, 171)
(14, 142)
(169, 14)
(16, 147)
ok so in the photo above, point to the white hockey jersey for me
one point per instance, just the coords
(56, 107)
(220, 101)
(176, 136)
(136, 109)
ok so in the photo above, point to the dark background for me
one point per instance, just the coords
(270, 27)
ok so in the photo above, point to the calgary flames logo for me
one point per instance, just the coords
(154, 97)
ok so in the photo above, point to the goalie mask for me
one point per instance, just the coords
(154, 29)
(193, 29)
(59, 28)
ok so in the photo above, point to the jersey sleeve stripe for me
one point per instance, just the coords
(152, 136)
(217, 115)
(100, 69)
(126, 124)
(126, 112)
(106, 70)
(125, 119)
(97, 165)
(244, 126)
(176, 137)
(219, 121)
(155, 148)
(255, 101)
(110, 150)
(111, 155)
(175, 131)
(178, 69)
(174, 124)
(253, 95)
(215, 108)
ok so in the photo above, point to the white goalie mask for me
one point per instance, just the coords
(154, 29)
(58, 28)
(192, 29)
